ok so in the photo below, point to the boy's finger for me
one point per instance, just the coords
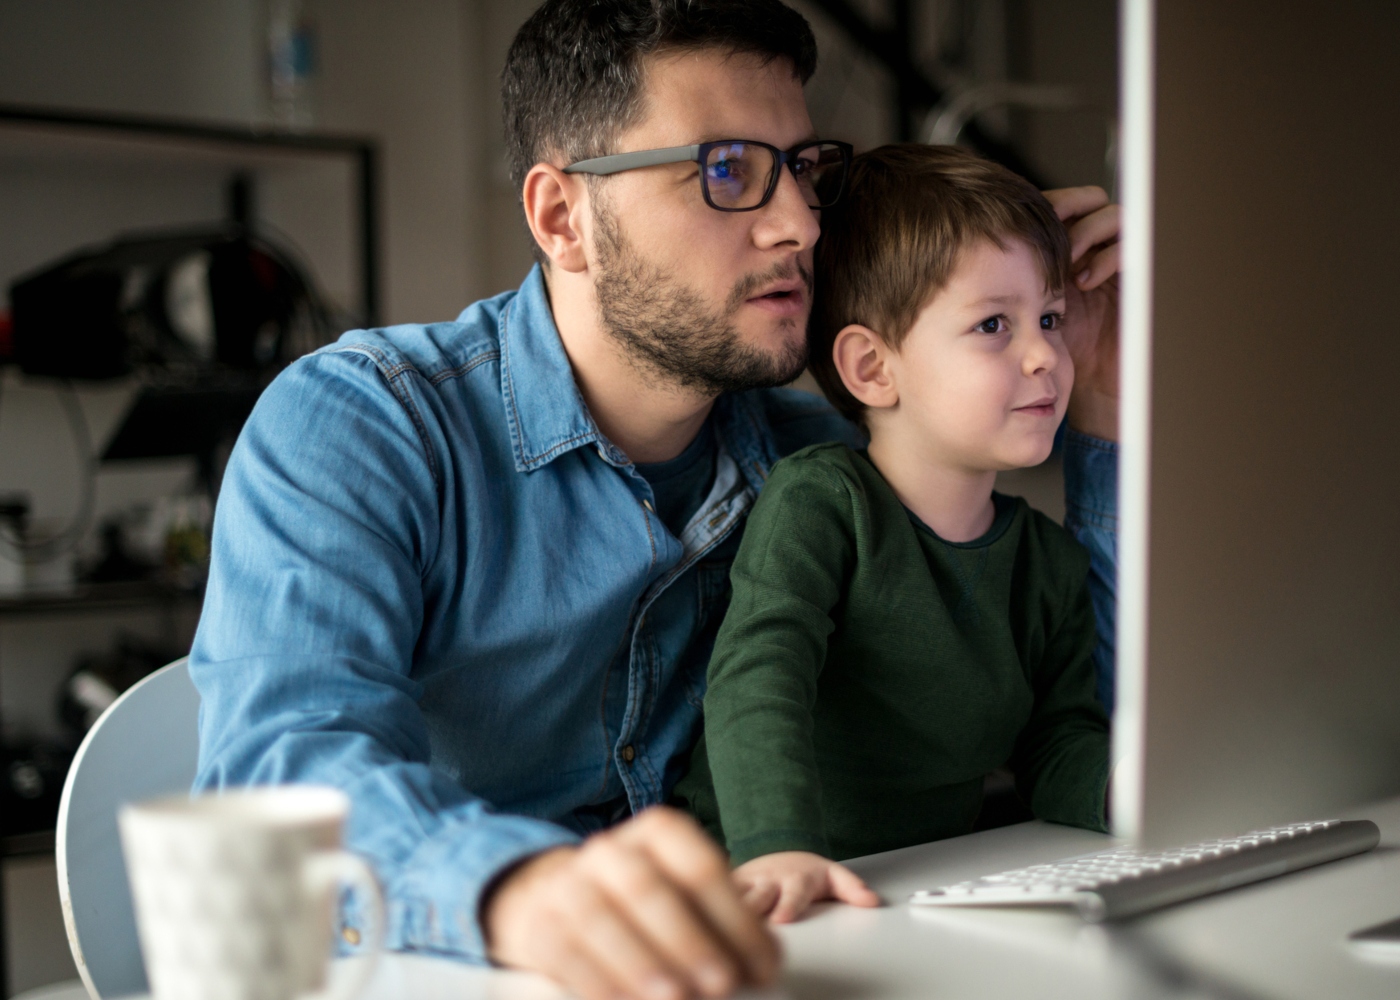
(1070, 203)
(796, 895)
(761, 897)
(848, 887)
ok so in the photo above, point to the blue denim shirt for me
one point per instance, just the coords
(436, 585)
(1091, 514)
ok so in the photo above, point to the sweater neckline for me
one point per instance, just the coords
(1003, 505)
(1005, 508)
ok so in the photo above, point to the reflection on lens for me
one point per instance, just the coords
(821, 165)
(737, 174)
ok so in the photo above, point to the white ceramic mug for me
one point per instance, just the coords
(235, 893)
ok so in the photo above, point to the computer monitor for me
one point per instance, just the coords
(1259, 580)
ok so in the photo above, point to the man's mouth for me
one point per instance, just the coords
(1043, 407)
(784, 298)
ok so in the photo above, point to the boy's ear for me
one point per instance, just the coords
(862, 358)
(556, 208)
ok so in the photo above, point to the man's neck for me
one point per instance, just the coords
(955, 502)
(650, 419)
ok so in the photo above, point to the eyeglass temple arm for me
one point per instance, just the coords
(618, 162)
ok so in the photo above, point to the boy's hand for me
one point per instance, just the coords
(783, 885)
(1091, 310)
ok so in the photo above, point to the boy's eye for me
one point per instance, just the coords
(995, 324)
(1051, 321)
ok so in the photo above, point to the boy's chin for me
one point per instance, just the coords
(1025, 455)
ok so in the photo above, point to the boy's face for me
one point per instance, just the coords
(983, 376)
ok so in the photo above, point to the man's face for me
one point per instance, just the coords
(713, 301)
(983, 373)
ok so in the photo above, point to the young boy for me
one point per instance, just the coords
(897, 629)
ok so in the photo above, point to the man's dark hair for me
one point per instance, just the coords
(573, 77)
(892, 244)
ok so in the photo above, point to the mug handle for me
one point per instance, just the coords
(322, 873)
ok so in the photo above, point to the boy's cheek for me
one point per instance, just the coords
(1064, 374)
(1064, 386)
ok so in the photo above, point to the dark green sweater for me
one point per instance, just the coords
(869, 674)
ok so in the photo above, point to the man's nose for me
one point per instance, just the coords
(787, 219)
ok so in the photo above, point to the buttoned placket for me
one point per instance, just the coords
(745, 453)
(724, 507)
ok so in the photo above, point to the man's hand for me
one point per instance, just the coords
(781, 886)
(1091, 309)
(645, 910)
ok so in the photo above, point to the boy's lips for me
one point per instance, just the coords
(782, 298)
(1043, 407)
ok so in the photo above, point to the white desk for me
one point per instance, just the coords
(1281, 939)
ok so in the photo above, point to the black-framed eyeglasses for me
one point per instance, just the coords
(740, 175)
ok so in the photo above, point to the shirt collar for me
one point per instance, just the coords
(548, 417)
(544, 409)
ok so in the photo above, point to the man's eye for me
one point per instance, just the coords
(996, 324)
(723, 170)
(1051, 321)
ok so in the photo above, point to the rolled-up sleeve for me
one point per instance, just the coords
(1091, 514)
(327, 521)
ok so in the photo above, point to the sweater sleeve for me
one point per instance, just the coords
(789, 573)
(1061, 757)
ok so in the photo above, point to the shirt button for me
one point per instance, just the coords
(628, 754)
(351, 936)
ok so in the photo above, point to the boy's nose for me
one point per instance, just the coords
(1040, 356)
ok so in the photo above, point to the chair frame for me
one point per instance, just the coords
(123, 758)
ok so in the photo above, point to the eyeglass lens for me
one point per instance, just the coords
(738, 174)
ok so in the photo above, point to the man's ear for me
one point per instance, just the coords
(863, 360)
(556, 207)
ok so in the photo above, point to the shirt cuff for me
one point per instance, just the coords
(434, 904)
(773, 841)
(1091, 480)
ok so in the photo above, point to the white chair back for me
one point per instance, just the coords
(146, 744)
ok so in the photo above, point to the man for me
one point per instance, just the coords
(470, 572)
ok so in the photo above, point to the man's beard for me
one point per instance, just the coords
(666, 328)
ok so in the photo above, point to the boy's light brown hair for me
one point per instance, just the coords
(892, 242)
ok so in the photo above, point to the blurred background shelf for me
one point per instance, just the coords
(305, 180)
(99, 597)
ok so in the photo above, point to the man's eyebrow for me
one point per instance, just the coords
(729, 137)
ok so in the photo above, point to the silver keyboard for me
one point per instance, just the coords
(1124, 881)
